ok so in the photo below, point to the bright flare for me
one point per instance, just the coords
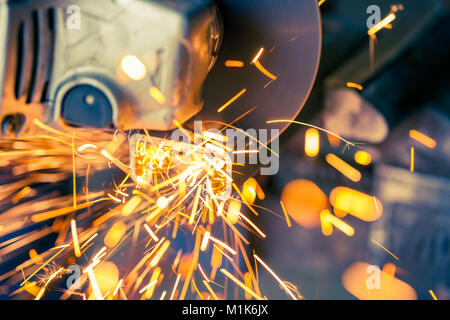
(133, 67)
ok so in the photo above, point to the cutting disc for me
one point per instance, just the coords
(290, 33)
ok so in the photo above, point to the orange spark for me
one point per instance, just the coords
(327, 227)
(160, 253)
(131, 205)
(156, 94)
(355, 85)
(380, 25)
(330, 219)
(175, 287)
(385, 249)
(252, 225)
(281, 282)
(234, 64)
(363, 158)
(432, 295)
(258, 55)
(76, 244)
(313, 126)
(59, 212)
(223, 245)
(288, 221)
(149, 286)
(266, 72)
(237, 96)
(240, 284)
(150, 232)
(423, 139)
(27, 191)
(210, 289)
(343, 167)
(356, 203)
(312, 142)
(205, 241)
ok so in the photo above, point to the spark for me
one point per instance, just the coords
(193, 264)
(315, 127)
(155, 276)
(86, 146)
(327, 227)
(262, 234)
(41, 292)
(423, 139)
(327, 217)
(232, 100)
(378, 244)
(114, 198)
(288, 221)
(156, 94)
(175, 287)
(99, 255)
(119, 285)
(76, 244)
(240, 284)
(282, 284)
(243, 199)
(162, 189)
(133, 67)
(376, 205)
(94, 284)
(151, 233)
(202, 272)
(37, 259)
(223, 245)
(234, 64)
(363, 158)
(160, 253)
(131, 205)
(210, 289)
(151, 284)
(258, 55)
(312, 142)
(205, 241)
(266, 72)
(27, 191)
(382, 24)
(260, 67)
(432, 295)
(412, 160)
(355, 85)
(43, 266)
(343, 167)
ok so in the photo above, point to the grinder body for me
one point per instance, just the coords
(62, 62)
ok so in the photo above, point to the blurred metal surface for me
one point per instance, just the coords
(415, 226)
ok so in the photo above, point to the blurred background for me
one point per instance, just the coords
(405, 87)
